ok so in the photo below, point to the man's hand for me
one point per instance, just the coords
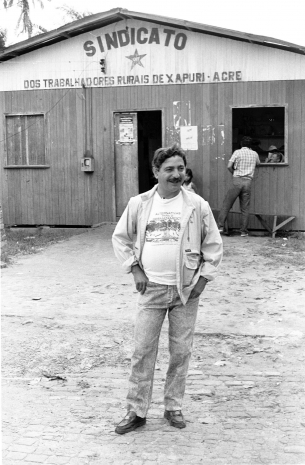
(199, 288)
(231, 167)
(140, 278)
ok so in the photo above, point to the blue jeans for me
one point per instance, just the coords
(153, 305)
(242, 189)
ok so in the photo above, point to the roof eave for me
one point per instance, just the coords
(217, 31)
(62, 33)
(117, 14)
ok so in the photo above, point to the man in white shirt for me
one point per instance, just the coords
(242, 165)
(177, 250)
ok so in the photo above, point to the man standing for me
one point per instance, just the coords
(176, 251)
(242, 165)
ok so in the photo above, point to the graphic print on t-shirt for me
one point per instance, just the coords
(163, 228)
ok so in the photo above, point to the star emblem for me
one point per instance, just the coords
(136, 59)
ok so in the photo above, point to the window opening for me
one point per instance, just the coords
(25, 140)
(266, 126)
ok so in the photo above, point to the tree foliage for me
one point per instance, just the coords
(24, 20)
(2, 39)
(72, 14)
(25, 24)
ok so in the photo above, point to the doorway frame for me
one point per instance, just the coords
(130, 110)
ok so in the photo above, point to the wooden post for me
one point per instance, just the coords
(274, 226)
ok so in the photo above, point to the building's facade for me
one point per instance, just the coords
(85, 106)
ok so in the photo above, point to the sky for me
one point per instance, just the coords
(280, 19)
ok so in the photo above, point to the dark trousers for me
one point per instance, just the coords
(241, 188)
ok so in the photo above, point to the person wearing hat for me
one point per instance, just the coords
(274, 155)
(242, 165)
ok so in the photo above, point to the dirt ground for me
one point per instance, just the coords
(67, 325)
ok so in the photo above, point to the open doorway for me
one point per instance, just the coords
(149, 140)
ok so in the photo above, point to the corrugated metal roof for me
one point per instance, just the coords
(114, 15)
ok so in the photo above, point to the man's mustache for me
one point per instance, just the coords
(175, 180)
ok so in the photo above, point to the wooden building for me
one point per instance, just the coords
(85, 106)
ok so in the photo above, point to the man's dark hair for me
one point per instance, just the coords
(163, 154)
(246, 142)
(189, 173)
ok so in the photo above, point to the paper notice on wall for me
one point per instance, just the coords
(189, 137)
(126, 132)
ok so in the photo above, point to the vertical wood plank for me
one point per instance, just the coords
(297, 204)
(13, 192)
(300, 200)
(74, 162)
(81, 144)
(291, 170)
(4, 199)
(204, 141)
(212, 125)
(220, 134)
(46, 179)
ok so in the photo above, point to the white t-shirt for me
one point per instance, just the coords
(161, 239)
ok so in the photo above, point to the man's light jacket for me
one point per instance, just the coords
(199, 251)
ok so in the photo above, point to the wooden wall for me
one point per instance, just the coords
(81, 119)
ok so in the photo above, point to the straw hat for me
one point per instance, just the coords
(273, 148)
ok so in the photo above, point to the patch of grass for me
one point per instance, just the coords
(30, 241)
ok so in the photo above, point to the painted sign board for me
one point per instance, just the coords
(139, 53)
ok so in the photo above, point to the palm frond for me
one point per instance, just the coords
(7, 4)
(27, 26)
(24, 18)
(73, 14)
(39, 29)
(3, 34)
(40, 3)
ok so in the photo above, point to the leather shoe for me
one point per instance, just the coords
(129, 423)
(175, 418)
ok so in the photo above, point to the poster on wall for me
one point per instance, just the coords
(126, 130)
(189, 137)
